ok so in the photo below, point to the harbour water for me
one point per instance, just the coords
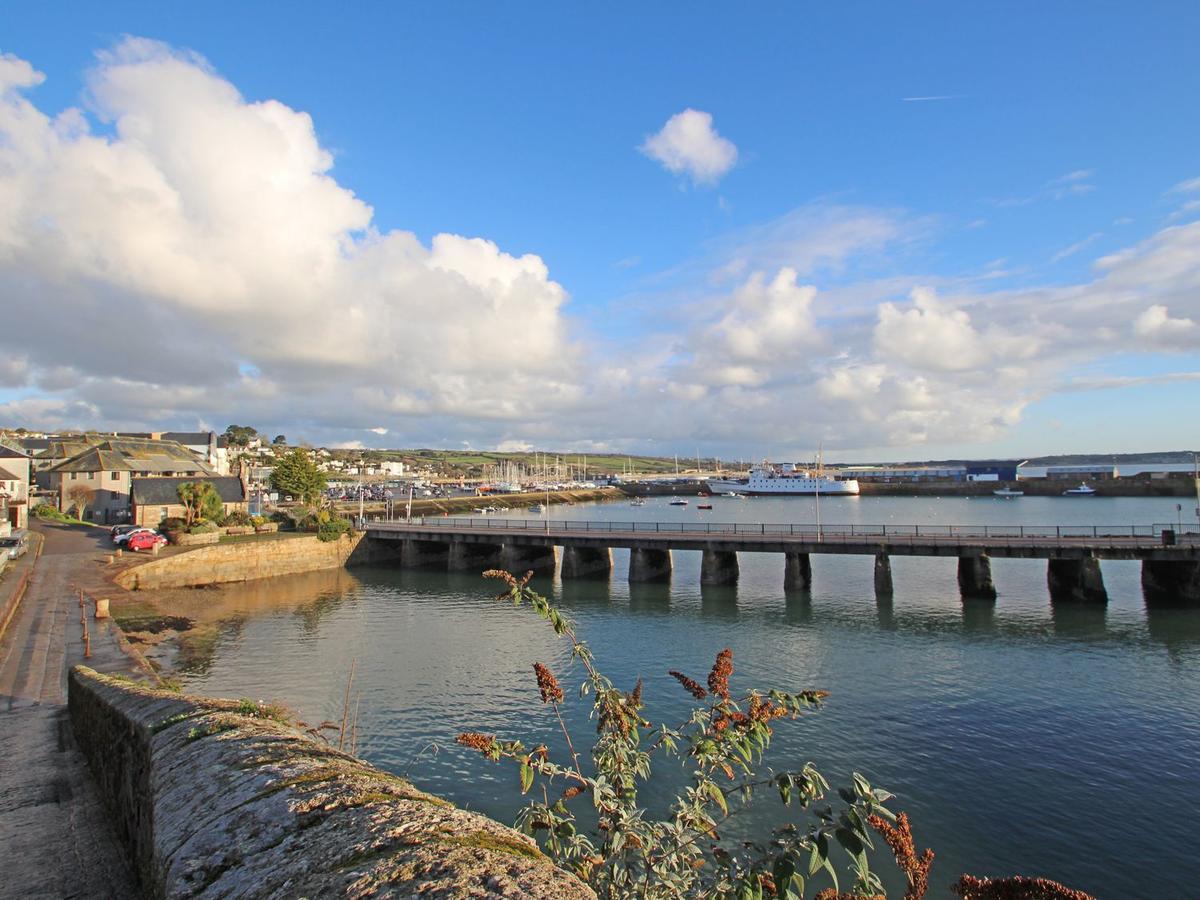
(1021, 737)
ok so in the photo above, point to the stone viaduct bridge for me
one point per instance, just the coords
(1170, 560)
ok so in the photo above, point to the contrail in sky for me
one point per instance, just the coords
(925, 99)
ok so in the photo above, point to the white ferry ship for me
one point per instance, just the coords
(784, 479)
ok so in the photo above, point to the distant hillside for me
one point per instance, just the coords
(474, 462)
(1064, 459)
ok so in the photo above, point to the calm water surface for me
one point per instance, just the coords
(1021, 737)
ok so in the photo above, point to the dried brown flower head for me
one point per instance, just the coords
(718, 678)
(547, 684)
(635, 698)
(692, 687)
(1017, 887)
(571, 792)
(899, 838)
(476, 741)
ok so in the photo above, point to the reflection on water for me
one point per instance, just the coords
(978, 615)
(1022, 736)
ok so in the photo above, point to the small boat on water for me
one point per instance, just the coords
(678, 501)
(638, 501)
(1082, 491)
(703, 506)
(1007, 493)
(485, 510)
(536, 508)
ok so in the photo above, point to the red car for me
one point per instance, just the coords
(145, 540)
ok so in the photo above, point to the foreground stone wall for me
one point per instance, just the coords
(247, 560)
(212, 802)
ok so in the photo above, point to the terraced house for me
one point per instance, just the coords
(14, 488)
(96, 483)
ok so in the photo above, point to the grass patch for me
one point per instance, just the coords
(174, 720)
(211, 728)
(276, 712)
(496, 843)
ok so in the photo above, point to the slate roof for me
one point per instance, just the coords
(164, 491)
(11, 452)
(193, 438)
(6, 475)
(128, 455)
(29, 444)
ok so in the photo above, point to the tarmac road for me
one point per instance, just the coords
(55, 837)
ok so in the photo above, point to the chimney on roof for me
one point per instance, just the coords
(156, 435)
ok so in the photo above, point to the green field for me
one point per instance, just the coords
(474, 462)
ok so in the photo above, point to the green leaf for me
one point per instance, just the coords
(715, 792)
(526, 777)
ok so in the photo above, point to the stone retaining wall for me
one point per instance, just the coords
(214, 802)
(247, 560)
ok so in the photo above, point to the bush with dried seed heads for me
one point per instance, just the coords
(547, 684)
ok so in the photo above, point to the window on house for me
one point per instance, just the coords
(116, 476)
(74, 475)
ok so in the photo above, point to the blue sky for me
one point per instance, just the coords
(1060, 133)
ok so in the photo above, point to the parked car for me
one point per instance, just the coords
(122, 529)
(145, 540)
(15, 544)
(124, 536)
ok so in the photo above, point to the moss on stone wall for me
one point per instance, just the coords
(212, 801)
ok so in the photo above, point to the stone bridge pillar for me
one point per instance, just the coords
(1171, 582)
(521, 558)
(797, 572)
(586, 562)
(1076, 580)
(464, 556)
(883, 575)
(649, 565)
(420, 554)
(975, 578)
(719, 567)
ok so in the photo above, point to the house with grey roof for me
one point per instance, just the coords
(95, 483)
(155, 499)
(14, 488)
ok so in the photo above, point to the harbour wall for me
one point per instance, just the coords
(1138, 486)
(252, 559)
(221, 798)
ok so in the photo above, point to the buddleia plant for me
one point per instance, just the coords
(590, 822)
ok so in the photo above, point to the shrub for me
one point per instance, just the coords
(172, 523)
(237, 518)
(627, 852)
(48, 512)
(332, 528)
(258, 521)
(203, 528)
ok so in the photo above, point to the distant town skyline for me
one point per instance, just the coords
(920, 233)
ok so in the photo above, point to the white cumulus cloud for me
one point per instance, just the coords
(1156, 326)
(193, 249)
(689, 145)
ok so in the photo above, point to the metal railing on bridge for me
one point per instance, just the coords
(1158, 532)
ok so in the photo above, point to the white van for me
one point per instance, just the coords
(15, 545)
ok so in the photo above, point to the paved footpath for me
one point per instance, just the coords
(55, 837)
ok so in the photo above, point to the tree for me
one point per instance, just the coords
(280, 440)
(240, 435)
(296, 473)
(81, 497)
(200, 501)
